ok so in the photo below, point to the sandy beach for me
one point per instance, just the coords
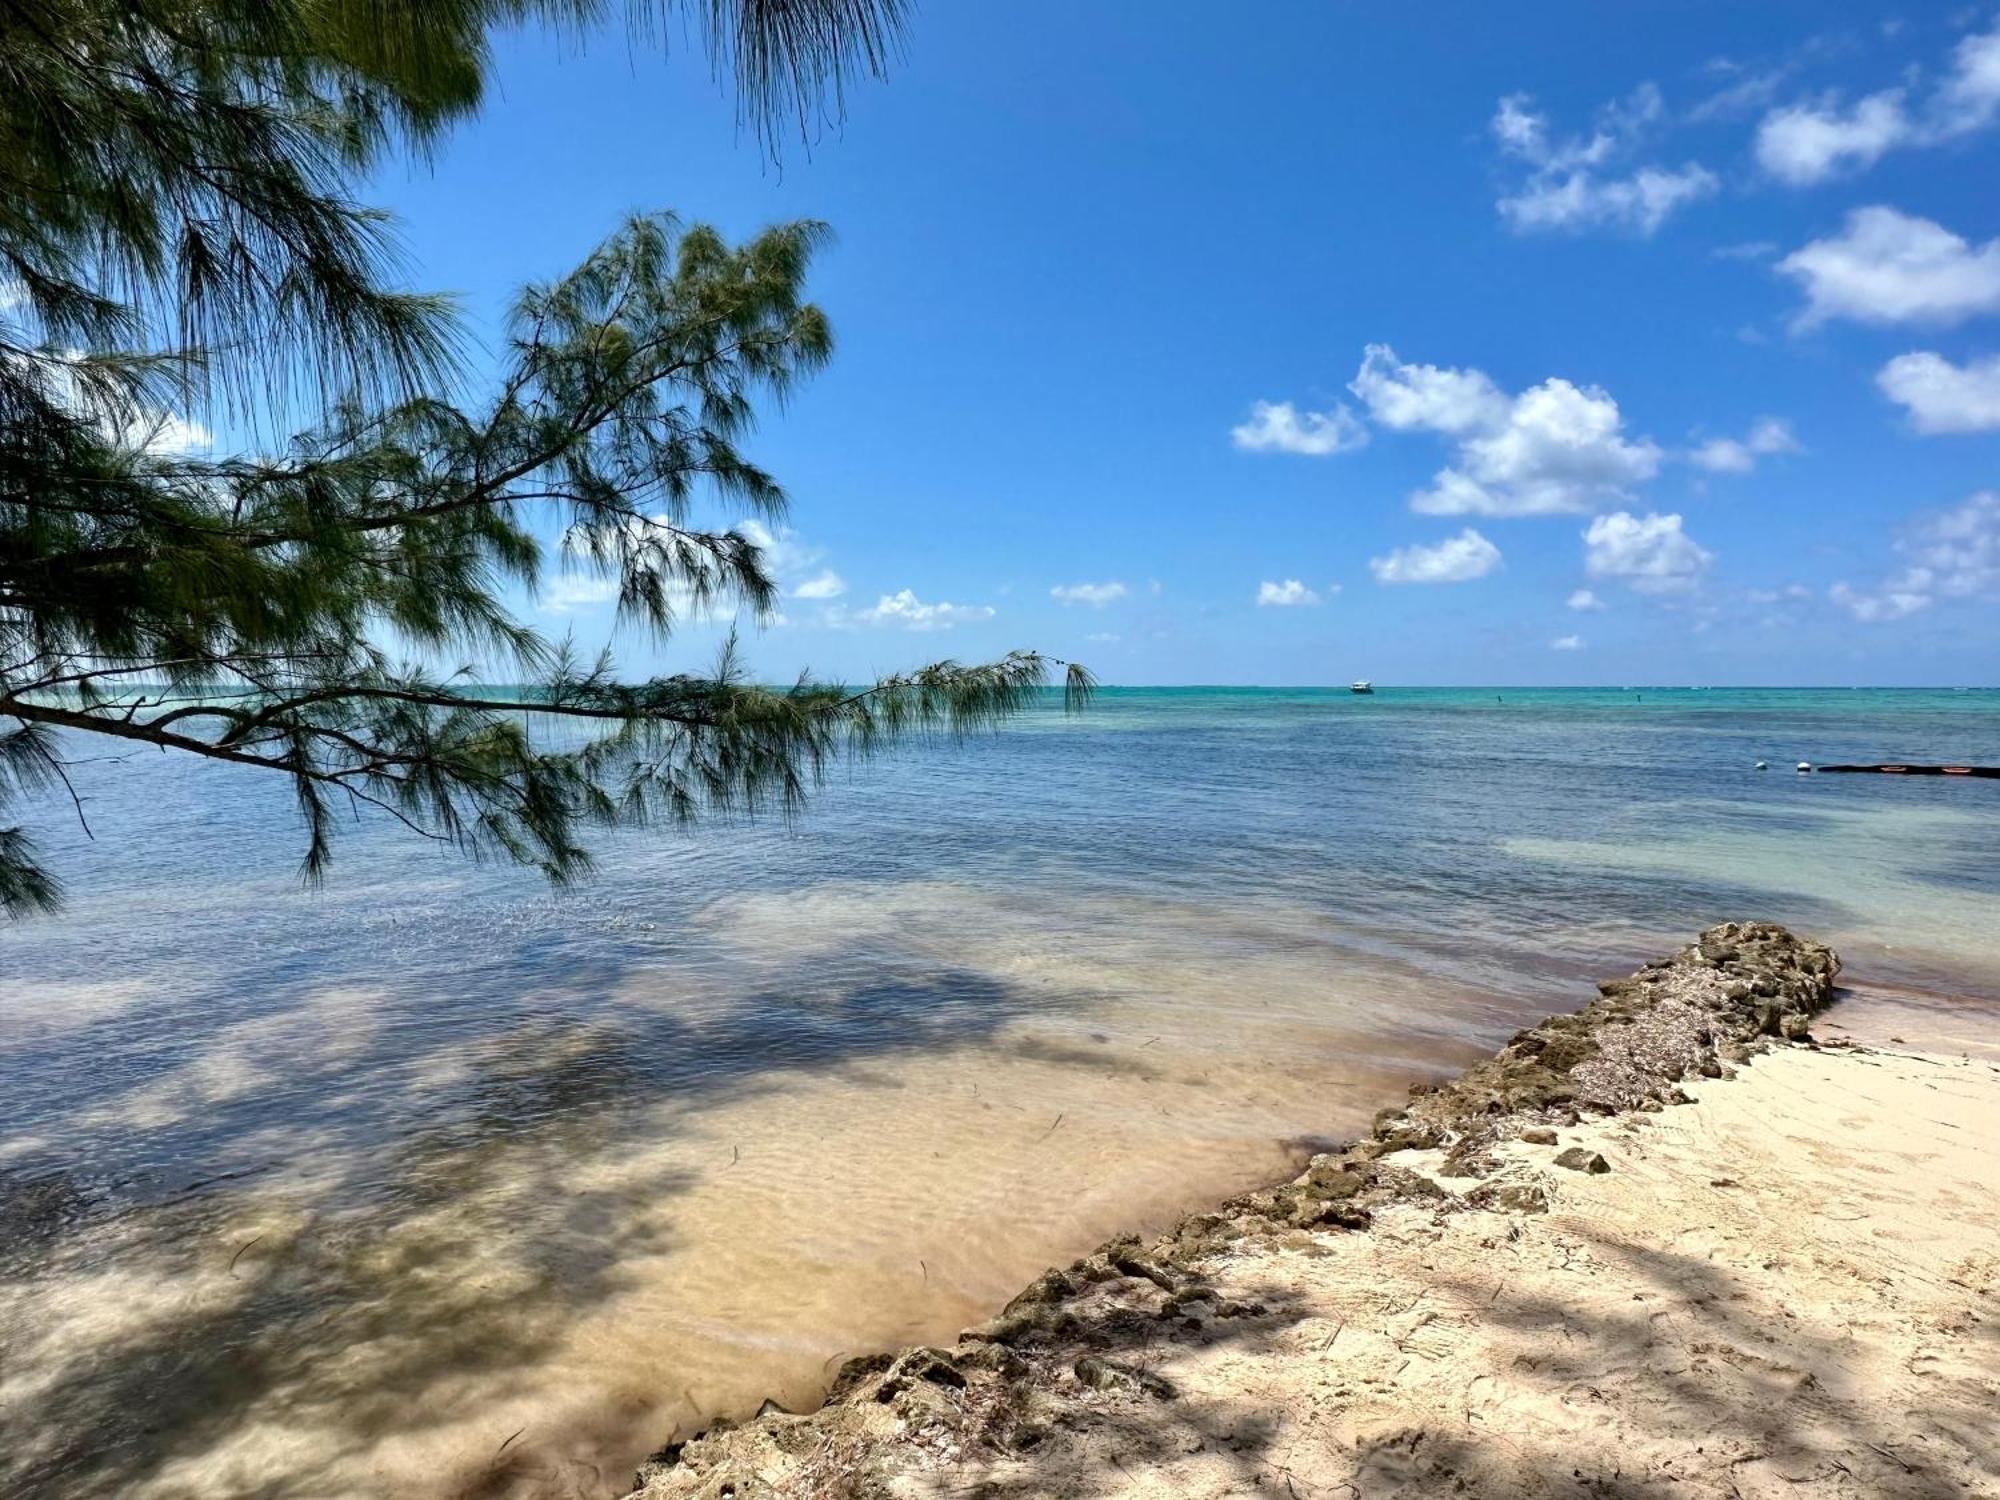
(1768, 1265)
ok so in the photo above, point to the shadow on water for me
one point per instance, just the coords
(442, 1238)
(436, 1249)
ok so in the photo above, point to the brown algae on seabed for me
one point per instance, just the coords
(1267, 1346)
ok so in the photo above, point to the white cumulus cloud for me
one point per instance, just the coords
(165, 434)
(1097, 595)
(1886, 266)
(904, 608)
(1409, 397)
(1279, 427)
(1566, 643)
(571, 592)
(1556, 448)
(1819, 138)
(825, 584)
(1941, 396)
(1584, 599)
(1650, 553)
(1289, 592)
(1457, 559)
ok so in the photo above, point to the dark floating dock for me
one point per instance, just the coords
(1898, 770)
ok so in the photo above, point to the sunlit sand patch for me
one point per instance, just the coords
(1158, 953)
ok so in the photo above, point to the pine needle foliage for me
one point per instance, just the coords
(176, 171)
(175, 222)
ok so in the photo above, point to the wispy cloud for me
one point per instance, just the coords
(794, 563)
(570, 592)
(1725, 455)
(1954, 554)
(1583, 182)
(1891, 603)
(1096, 595)
(1747, 250)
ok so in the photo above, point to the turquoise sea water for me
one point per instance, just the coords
(601, 1164)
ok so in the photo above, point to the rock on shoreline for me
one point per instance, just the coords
(1076, 1332)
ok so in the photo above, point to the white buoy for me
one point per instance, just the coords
(1805, 765)
(1761, 766)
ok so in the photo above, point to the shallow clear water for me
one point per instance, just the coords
(434, 1182)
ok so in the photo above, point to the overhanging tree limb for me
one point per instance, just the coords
(229, 609)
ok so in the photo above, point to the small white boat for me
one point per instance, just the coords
(1363, 686)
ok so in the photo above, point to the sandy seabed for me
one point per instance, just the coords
(1788, 1287)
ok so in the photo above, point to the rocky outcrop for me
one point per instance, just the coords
(1685, 1016)
(1066, 1340)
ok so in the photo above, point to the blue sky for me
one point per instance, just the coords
(1451, 342)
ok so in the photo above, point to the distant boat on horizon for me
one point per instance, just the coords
(1361, 686)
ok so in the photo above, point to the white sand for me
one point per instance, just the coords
(1789, 1288)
